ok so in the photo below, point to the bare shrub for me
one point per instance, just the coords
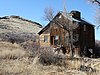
(87, 69)
(19, 37)
(31, 46)
(48, 57)
(29, 41)
(97, 48)
(12, 51)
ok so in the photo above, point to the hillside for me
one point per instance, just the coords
(18, 29)
(18, 24)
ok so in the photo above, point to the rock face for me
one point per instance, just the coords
(18, 24)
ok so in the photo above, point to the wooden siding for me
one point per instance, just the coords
(42, 42)
(86, 37)
(60, 32)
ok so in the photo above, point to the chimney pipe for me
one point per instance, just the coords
(76, 14)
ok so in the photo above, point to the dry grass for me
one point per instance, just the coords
(14, 60)
(24, 67)
(8, 50)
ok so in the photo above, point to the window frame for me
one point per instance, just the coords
(45, 38)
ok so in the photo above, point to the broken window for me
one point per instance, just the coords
(45, 39)
(91, 51)
(56, 37)
(60, 16)
(75, 37)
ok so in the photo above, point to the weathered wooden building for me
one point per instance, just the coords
(68, 29)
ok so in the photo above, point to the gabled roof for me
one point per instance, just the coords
(67, 16)
(46, 27)
(86, 22)
(76, 20)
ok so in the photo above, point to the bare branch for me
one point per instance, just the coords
(95, 2)
(48, 14)
(97, 15)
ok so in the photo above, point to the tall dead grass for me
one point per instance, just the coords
(11, 51)
(14, 60)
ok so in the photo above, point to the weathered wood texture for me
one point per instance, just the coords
(83, 35)
(42, 42)
(87, 38)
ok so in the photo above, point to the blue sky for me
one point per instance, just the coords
(34, 9)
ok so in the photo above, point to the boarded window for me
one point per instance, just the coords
(46, 39)
(75, 37)
(84, 27)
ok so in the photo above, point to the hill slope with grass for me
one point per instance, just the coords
(18, 24)
(17, 29)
